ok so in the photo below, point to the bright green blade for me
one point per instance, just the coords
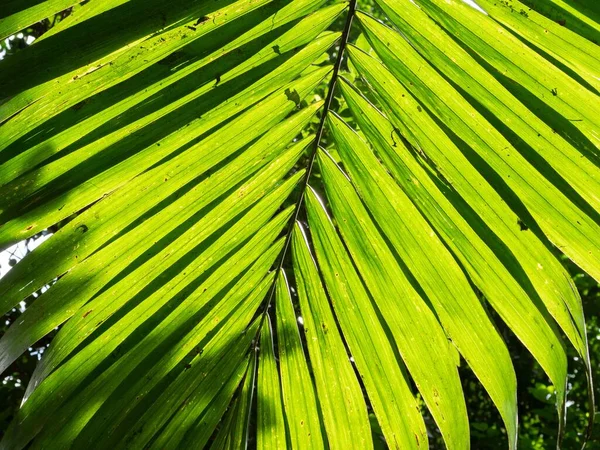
(211, 416)
(371, 351)
(270, 426)
(16, 15)
(130, 39)
(543, 87)
(417, 333)
(180, 169)
(78, 287)
(581, 17)
(569, 227)
(104, 222)
(339, 394)
(525, 131)
(234, 435)
(153, 105)
(455, 171)
(441, 278)
(486, 264)
(299, 397)
(550, 37)
(183, 401)
(197, 298)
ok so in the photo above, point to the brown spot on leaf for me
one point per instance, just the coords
(202, 20)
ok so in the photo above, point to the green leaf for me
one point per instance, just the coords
(180, 169)
(572, 230)
(299, 398)
(270, 427)
(179, 153)
(367, 337)
(549, 37)
(414, 241)
(342, 404)
(486, 264)
(234, 433)
(17, 15)
(413, 324)
(457, 172)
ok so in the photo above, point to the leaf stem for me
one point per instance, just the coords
(313, 155)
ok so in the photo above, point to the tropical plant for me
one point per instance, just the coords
(288, 222)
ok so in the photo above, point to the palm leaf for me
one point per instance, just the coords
(266, 233)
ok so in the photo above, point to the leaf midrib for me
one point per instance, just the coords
(311, 159)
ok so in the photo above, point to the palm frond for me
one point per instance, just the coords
(266, 234)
